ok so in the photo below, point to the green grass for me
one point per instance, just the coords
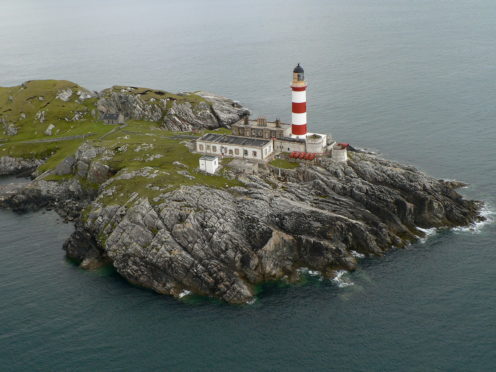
(149, 135)
(167, 177)
(63, 150)
(25, 100)
(285, 164)
(29, 151)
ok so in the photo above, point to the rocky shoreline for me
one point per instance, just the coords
(140, 204)
(221, 243)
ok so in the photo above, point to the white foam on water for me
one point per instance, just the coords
(184, 293)
(314, 273)
(357, 254)
(307, 271)
(427, 232)
(341, 281)
(252, 301)
(476, 227)
(302, 270)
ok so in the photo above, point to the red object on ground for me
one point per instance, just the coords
(343, 145)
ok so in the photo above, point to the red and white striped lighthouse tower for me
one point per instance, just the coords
(299, 99)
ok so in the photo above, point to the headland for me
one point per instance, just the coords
(125, 165)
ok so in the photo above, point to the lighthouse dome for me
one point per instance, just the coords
(298, 69)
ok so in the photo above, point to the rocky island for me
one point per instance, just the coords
(140, 203)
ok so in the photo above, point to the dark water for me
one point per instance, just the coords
(415, 80)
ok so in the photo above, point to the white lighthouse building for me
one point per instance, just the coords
(259, 140)
(299, 103)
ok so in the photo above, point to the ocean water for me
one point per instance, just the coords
(414, 80)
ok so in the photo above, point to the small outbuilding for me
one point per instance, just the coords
(113, 118)
(340, 152)
(209, 164)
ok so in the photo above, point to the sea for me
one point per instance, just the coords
(414, 80)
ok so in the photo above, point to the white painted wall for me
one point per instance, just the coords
(339, 154)
(317, 147)
(286, 146)
(209, 166)
(235, 151)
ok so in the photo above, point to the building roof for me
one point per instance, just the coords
(298, 69)
(208, 157)
(269, 125)
(233, 140)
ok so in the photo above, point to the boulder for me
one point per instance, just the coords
(64, 94)
(49, 129)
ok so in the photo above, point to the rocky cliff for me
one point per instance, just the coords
(140, 203)
(222, 242)
(177, 112)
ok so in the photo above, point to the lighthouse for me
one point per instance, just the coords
(299, 99)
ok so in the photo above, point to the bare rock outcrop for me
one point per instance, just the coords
(205, 111)
(221, 243)
(11, 166)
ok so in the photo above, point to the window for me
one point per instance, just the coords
(208, 147)
(254, 154)
(214, 148)
(200, 147)
(230, 151)
(236, 151)
(245, 152)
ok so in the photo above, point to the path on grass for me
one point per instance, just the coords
(49, 140)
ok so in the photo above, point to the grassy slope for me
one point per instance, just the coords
(17, 102)
(141, 146)
(25, 100)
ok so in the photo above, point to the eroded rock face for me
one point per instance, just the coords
(226, 110)
(222, 242)
(214, 112)
(185, 117)
(10, 165)
(130, 105)
(68, 198)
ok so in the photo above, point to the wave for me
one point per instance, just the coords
(428, 233)
(252, 301)
(184, 293)
(357, 254)
(307, 271)
(341, 281)
(476, 227)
